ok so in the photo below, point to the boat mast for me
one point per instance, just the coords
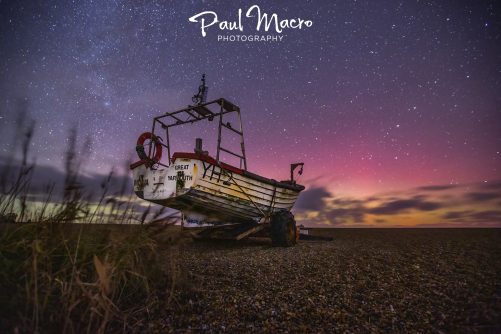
(201, 97)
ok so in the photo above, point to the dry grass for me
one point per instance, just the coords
(58, 276)
(71, 278)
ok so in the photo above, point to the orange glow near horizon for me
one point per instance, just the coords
(470, 205)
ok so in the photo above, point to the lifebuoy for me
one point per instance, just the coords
(157, 149)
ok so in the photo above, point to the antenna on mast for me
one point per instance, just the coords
(201, 97)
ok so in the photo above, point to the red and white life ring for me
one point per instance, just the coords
(157, 148)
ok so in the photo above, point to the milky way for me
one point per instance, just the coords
(374, 96)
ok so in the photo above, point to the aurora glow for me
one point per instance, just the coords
(375, 97)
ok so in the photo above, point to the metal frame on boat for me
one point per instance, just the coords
(199, 113)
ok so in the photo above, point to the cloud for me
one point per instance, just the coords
(473, 205)
(492, 185)
(340, 216)
(480, 216)
(44, 177)
(487, 216)
(333, 210)
(312, 199)
(454, 215)
(438, 187)
(483, 196)
(398, 206)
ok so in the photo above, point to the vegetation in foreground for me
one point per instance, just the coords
(79, 278)
(60, 276)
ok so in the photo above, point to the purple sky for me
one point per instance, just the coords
(374, 97)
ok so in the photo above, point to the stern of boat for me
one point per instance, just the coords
(164, 183)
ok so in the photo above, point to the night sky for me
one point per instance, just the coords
(394, 107)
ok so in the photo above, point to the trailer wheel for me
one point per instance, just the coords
(283, 229)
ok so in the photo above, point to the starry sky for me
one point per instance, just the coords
(390, 104)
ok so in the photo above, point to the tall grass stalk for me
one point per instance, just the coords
(62, 277)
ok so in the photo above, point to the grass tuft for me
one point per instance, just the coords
(62, 272)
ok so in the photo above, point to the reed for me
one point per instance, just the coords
(58, 276)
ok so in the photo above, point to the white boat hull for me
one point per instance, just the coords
(205, 193)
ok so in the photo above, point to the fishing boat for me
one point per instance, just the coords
(203, 187)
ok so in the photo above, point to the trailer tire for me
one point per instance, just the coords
(283, 229)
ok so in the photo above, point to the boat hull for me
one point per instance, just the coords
(207, 193)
